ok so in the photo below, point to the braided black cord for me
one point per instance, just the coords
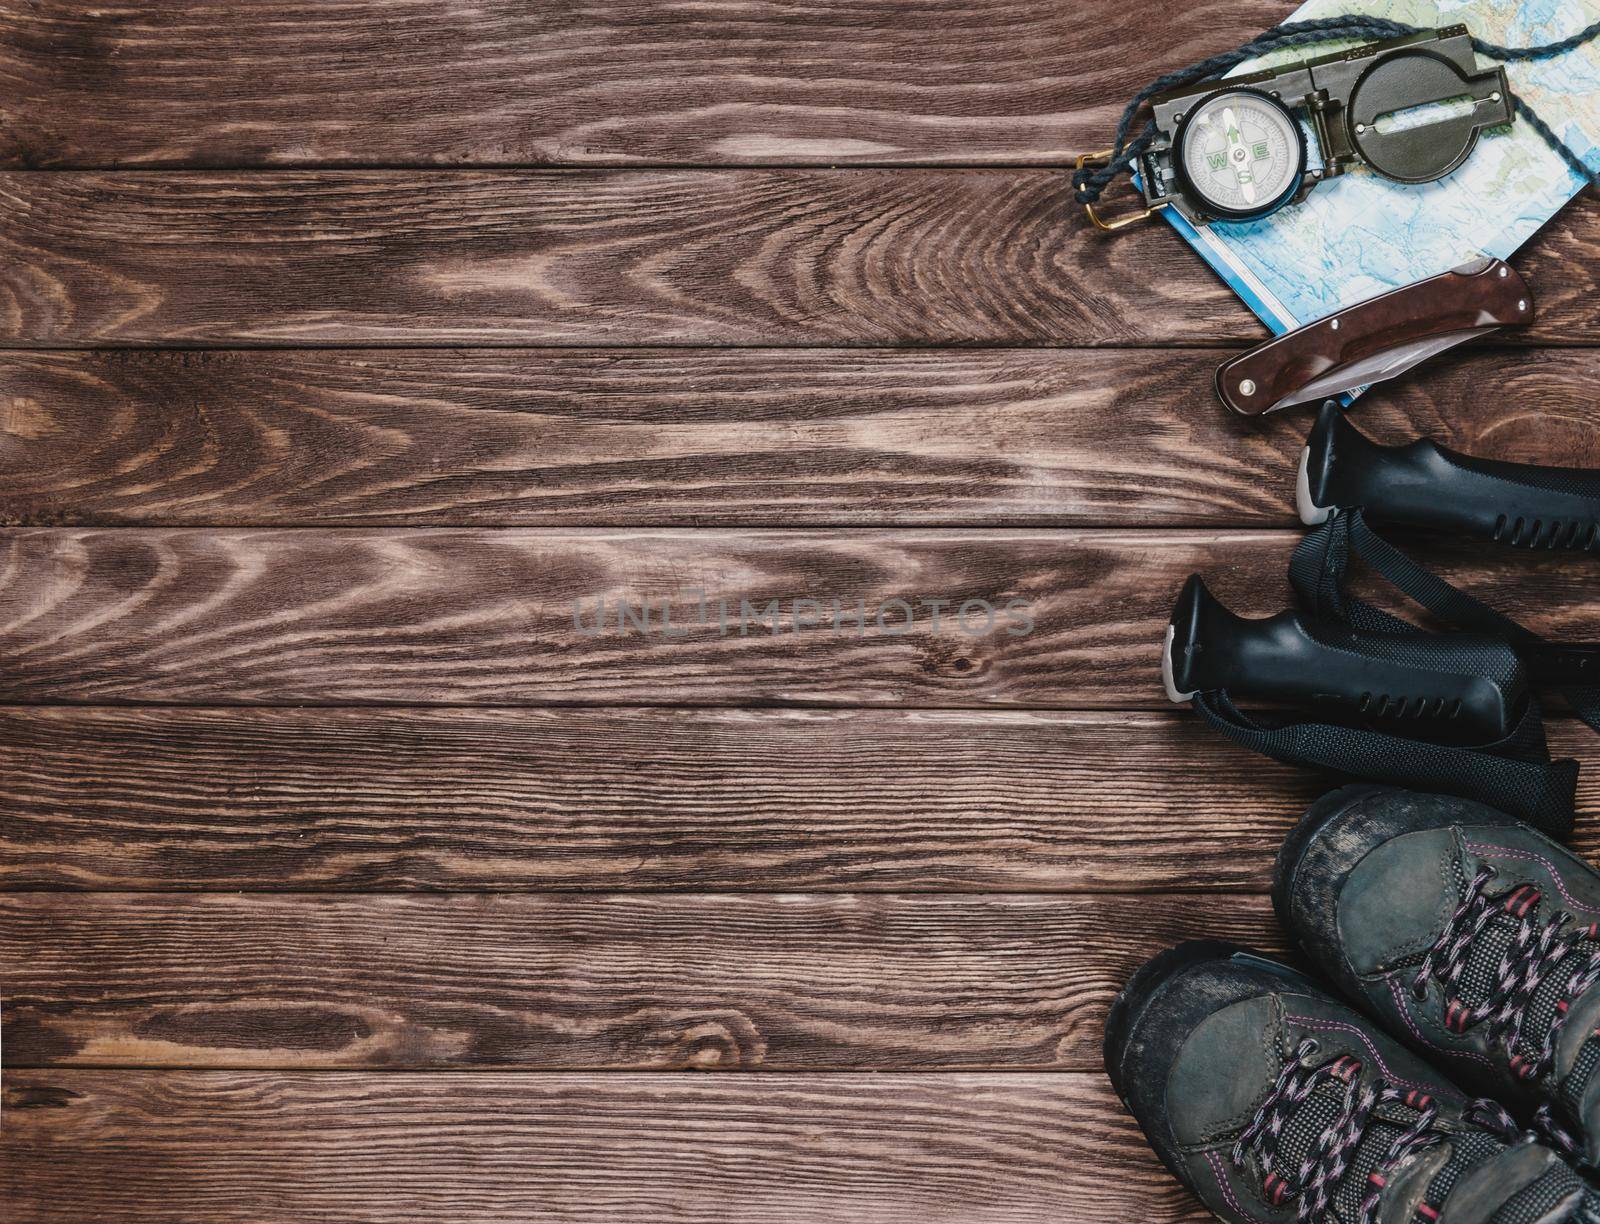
(1091, 182)
(1555, 142)
(1542, 51)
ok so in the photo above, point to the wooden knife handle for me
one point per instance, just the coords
(1450, 303)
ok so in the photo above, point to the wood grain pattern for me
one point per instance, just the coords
(678, 437)
(425, 616)
(233, 990)
(196, 82)
(794, 257)
(783, 981)
(714, 800)
(481, 1148)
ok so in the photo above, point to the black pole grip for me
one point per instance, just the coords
(1446, 688)
(1422, 484)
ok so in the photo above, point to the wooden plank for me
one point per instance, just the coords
(405, 82)
(783, 981)
(695, 437)
(796, 257)
(760, 800)
(513, 616)
(481, 1148)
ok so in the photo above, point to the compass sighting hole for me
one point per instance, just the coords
(1425, 114)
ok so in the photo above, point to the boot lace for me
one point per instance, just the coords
(1315, 1179)
(1539, 947)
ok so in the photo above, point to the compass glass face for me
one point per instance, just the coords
(1242, 153)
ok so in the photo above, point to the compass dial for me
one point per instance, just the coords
(1242, 153)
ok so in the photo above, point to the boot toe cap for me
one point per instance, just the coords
(1352, 892)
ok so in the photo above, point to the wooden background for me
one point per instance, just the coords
(347, 344)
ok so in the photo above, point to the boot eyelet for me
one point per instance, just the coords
(1419, 991)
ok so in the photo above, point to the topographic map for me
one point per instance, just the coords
(1360, 235)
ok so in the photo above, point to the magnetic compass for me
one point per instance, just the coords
(1241, 153)
(1409, 109)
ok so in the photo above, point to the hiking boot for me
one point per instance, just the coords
(1273, 1102)
(1468, 934)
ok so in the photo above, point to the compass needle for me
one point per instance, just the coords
(1239, 156)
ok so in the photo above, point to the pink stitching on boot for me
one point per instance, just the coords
(1218, 1172)
(1529, 856)
(1329, 1025)
(1405, 1014)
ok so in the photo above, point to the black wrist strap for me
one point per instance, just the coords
(1319, 572)
(1515, 775)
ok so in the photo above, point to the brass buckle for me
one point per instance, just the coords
(1103, 158)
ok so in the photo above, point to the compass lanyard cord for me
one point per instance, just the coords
(1089, 182)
